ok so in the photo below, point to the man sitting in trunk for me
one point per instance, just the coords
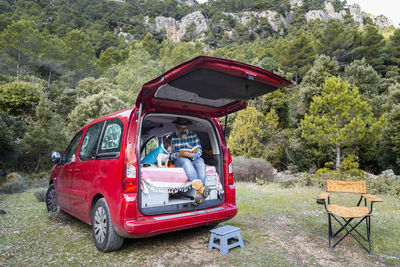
(190, 160)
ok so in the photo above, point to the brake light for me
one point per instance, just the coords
(228, 169)
(129, 183)
(230, 173)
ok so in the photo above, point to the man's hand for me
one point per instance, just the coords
(189, 155)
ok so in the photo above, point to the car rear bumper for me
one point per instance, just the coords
(157, 224)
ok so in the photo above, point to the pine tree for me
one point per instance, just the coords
(363, 76)
(247, 134)
(296, 54)
(393, 48)
(341, 119)
(392, 132)
(373, 47)
(339, 42)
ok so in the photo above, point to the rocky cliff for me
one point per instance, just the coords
(354, 11)
(199, 25)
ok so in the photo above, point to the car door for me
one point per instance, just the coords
(86, 169)
(63, 182)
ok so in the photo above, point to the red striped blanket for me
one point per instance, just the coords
(169, 180)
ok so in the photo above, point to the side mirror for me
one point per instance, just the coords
(55, 157)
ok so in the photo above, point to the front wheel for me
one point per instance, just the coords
(51, 199)
(104, 235)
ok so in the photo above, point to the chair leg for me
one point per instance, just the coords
(330, 230)
(368, 222)
(349, 232)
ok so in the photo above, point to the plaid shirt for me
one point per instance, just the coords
(189, 142)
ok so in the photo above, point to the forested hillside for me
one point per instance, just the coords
(64, 63)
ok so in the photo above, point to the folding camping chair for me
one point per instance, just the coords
(348, 214)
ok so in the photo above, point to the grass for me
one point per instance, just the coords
(279, 226)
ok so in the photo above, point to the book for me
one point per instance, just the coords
(194, 149)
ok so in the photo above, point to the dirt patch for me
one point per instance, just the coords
(306, 249)
(183, 248)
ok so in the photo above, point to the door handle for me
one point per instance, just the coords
(76, 171)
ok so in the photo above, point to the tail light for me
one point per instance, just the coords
(228, 169)
(129, 182)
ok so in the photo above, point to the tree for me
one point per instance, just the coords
(340, 42)
(247, 134)
(19, 98)
(258, 136)
(392, 131)
(80, 53)
(373, 47)
(393, 48)
(295, 53)
(44, 135)
(363, 76)
(150, 45)
(323, 68)
(341, 119)
(52, 58)
(134, 72)
(179, 53)
(20, 43)
(92, 107)
(109, 57)
(11, 132)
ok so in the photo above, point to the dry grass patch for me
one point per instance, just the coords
(280, 227)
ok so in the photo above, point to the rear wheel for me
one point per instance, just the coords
(51, 199)
(104, 235)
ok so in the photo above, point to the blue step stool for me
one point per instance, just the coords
(225, 233)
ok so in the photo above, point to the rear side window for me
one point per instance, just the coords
(69, 154)
(110, 143)
(90, 142)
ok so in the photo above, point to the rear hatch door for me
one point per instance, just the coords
(208, 86)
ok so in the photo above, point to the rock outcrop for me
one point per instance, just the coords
(176, 30)
(199, 25)
(295, 3)
(275, 20)
(382, 21)
(354, 10)
(188, 2)
(325, 14)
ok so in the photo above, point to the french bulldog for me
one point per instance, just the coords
(163, 156)
(160, 155)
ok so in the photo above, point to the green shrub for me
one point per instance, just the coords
(384, 185)
(40, 195)
(14, 186)
(254, 170)
(348, 170)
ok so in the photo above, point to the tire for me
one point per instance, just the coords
(104, 235)
(51, 204)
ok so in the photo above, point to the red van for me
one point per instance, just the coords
(100, 179)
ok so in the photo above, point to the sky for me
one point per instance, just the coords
(389, 8)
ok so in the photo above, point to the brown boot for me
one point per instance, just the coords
(200, 188)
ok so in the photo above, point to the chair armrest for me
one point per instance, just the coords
(323, 196)
(372, 198)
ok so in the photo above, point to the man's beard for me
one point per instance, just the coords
(182, 135)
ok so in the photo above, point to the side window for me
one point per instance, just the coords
(69, 154)
(90, 141)
(112, 137)
(150, 146)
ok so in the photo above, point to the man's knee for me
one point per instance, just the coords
(183, 162)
